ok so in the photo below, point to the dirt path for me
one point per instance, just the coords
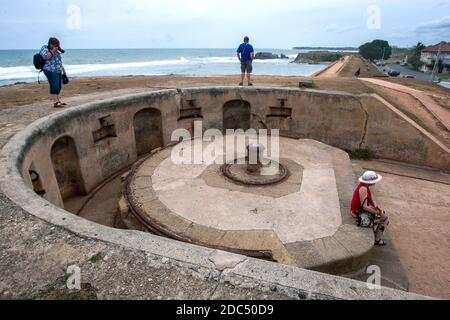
(415, 110)
(334, 69)
(441, 113)
(367, 68)
(412, 123)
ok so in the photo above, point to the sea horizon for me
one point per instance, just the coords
(18, 67)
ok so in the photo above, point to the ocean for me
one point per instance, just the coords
(17, 65)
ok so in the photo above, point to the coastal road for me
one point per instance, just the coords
(404, 72)
(439, 112)
(334, 69)
(416, 74)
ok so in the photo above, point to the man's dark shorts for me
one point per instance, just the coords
(247, 67)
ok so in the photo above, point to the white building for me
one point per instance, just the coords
(429, 57)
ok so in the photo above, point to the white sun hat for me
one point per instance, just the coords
(370, 177)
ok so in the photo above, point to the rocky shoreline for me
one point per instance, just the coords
(269, 56)
(319, 57)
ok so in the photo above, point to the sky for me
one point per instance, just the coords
(27, 24)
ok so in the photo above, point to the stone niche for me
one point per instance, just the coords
(148, 131)
(236, 115)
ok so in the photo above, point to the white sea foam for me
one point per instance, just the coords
(17, 73)
(273, 61)
(215, 60)
(226, 64)
(25, 72)
(86, 68)
(234, 59)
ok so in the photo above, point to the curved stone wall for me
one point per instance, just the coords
(106, 136)
(102, 138)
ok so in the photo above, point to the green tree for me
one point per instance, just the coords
(414, 58)
(415, 62)
(376, 50)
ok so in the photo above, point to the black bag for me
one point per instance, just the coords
(65, 79)
(39, 61)
(365, 219)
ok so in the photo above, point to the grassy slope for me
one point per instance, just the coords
(368, 70)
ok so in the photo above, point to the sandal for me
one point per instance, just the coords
(380, 243)
(62, 103)
(250, 84)
(241, 84)
(58, 105)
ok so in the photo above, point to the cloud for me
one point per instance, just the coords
(187, 23)
(433, 31)
(435, 25)
(339, 29)
(332, 28)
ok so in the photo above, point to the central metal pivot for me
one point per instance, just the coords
(255, 155)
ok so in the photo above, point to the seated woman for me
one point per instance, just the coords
(364, 202)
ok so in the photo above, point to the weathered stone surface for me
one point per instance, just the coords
(223, 260)
(205, 235)
(305, 212)
(359, 244)
(214, 178)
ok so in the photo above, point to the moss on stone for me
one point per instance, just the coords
(362, 154)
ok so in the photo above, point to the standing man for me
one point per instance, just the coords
(246, 54)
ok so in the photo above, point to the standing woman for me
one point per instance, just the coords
(54, 69)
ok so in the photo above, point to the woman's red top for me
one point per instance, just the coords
(357, 206)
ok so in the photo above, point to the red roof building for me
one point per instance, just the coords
(429, 57)
(445, 48)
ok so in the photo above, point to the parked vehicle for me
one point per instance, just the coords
(437, 80)
(394, 73)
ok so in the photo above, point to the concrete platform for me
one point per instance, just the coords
(298, 222)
